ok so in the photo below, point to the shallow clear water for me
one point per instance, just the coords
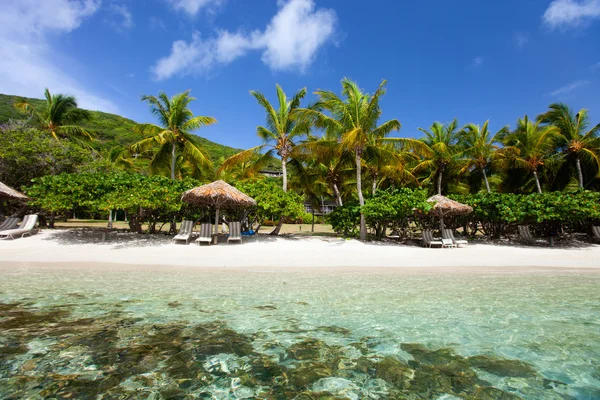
(132, 332)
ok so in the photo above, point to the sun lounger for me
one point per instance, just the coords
(448, 243)
(525, 234)
(9, 223)
(185, 232)
(205, 233)
(26, 228)
(449, 234)
(429, 241)
(235, 232)
(596, 232)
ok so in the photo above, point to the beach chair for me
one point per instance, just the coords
(596, 232)
(9, 223)
(235, 232)
(429, 241)
(525, 234)
(205, 233)
(185, 232)
(449, 234)
(26, 228)
(448, 244)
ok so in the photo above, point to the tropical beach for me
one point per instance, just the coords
(303, 200)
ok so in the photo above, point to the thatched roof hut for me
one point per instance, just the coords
(445, 207)
(6, 192)
(218, 194)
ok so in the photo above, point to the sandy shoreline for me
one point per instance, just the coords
(85, 246)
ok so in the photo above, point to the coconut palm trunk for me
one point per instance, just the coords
(361, 199)
(537, 181)
(173, 159)
(485, 179)
(374, 189)
(338, 197)
(579, 172)
(284, 172)
(439, 182)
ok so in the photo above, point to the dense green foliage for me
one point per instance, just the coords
(107, 130)
(26, 154)
(146, 199)
(273, 203)
(384, 209)
(551, 213)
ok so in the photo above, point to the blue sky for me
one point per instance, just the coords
(470, 59)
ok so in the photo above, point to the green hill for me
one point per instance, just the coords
(108, 130)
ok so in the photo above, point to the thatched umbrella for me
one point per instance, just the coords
(444, 207)
(6, 192)
(218, 194)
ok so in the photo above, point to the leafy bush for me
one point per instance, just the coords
(345, 219)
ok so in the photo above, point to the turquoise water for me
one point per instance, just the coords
(132, 332)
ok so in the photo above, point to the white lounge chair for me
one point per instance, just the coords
(429, 241)
(596, 232)
(448, 244)
(185, 232)
(26, 228)
(525, 234)
(235, 232)
(205, 233)
(449, 234)
(9, 223)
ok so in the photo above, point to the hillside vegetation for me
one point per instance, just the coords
(109, 130)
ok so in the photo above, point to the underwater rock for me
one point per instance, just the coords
(492, 393)
(503, 367)
(308, 349)
(174, 304)
(395, 372)
(339, 387)
(335, 330)
(308, 373)
(266, 307)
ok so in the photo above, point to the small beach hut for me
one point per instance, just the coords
(220, 195)
(445, 207)
(8, 193)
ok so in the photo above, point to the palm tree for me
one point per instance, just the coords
(441, 145)
(59, 116)
(283, 127)
(479, 148)
(576, 141)
(173, 137)
(529, 147)
(355, 117)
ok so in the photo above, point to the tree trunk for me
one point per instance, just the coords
(361, 199)
(284, 172)
(374, 185)
(338, 197)
(579, 173)
(173, 148)
(313, 220)
(439, 182)
(110, 219)
(275, 231)
(485, 179)
(51, 225)
(537, 181)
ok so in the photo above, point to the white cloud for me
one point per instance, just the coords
(192, 7)
(126, 17)
(290, 41)
(571, 13)
(156, 23)
(520, 39)
(569, 88)
(27, 64)
(477, 62)
(595, 67)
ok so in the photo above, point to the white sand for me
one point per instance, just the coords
(85, 246)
